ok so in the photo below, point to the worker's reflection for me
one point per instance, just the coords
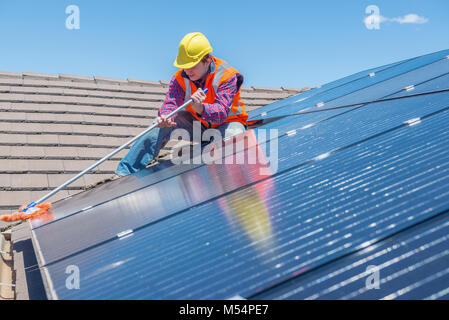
(247, 209)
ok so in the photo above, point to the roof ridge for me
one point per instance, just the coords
(119, 81)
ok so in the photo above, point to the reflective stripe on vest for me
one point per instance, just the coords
(220, 71)
(188, 90)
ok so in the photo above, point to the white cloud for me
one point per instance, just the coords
(375, 19)
(410, 18)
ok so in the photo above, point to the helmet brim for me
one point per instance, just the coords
(179, 63)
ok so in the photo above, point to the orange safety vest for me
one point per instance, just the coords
(221, 73)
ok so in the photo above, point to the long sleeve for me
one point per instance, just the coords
(217, 112)
(173, 99)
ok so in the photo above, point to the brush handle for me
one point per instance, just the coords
(65, 184)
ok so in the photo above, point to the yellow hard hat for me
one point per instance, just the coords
(192, 48)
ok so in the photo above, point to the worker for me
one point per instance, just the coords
(220, 109)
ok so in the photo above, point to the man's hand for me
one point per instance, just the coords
(164, 122)
(198, 97)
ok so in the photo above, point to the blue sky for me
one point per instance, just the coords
(273, 43)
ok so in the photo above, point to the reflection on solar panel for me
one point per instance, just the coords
(350, 182)
(411, 265)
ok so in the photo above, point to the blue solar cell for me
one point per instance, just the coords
(199, 185)
(359, 84)
(315, 91)
(307, 120)
(411, 265)
(248, 240)
(439, 83)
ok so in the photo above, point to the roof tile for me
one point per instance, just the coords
(78, 165)
(4, 74)
(57, 128)
(27, 152)
(5, 150)
(70, 77)
(35, 195)
(45, 165)
(15, 198)
(110, 165)
(33, 75)
(144, 82)
(61, 152)
(5, 89)
(74, 140)
(8, 165)
(50, 139)
(264, 89)
(13, 138)
(109, 80)
(11, 81)
(4, 106)
(11, 97)
(11, 116)
(55, 180)
(296, 90)
(29, 181)
(34, 116)
(22, 127)
(94, 178)
(107, 141)
(5, 180)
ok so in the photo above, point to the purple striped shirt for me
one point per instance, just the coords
(214, 113)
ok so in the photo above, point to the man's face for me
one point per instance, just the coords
(198, 71)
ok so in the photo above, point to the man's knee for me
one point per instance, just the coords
(233, 128)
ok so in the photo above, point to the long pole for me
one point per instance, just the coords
(65, 184)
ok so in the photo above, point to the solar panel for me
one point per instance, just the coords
(315, 91)
(411, 265)
(174, 194)
(247, 241)
(214, 231)
(353, 86)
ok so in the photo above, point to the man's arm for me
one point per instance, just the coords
(217, 112)
(173, 99)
